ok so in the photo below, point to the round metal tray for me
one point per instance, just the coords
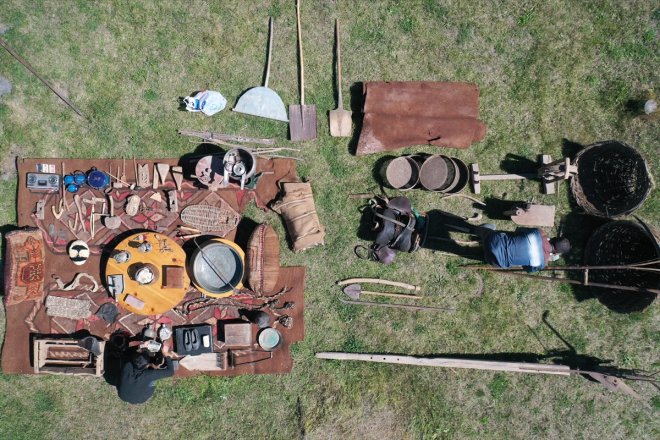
(217, 267)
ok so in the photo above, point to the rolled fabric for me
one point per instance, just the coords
(389, 132)
(423, 98)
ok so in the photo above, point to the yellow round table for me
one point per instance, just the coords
(133, 287)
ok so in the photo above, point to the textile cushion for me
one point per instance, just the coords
(24, 269)
(263, 259)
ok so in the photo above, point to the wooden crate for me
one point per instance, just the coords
(49, 358)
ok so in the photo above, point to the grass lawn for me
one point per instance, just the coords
(548, 71)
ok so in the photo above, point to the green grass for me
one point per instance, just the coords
(547, 71)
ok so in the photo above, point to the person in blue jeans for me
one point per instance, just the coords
(527, 247)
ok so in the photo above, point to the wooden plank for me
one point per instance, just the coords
(474, 178)
(507, 176)
(548, 187)
(515, 367)
(163, 170)
(535, 215)
(143, 180)
(177, 175)
(154, 184)
(205, 362)
(302, 122)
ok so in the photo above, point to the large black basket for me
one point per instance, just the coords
(623, 242)
(613, 179)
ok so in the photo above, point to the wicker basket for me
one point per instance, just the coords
(618, 243)
(613, 179)
(263, 260)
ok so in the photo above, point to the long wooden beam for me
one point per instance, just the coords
(517, 367)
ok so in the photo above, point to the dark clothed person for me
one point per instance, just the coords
(526, 247)
(137, 381)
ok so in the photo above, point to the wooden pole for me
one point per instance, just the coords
(580, 283)
(516, 367)
(397, 306)
(554, 268)
(212, 136)
(29, 67)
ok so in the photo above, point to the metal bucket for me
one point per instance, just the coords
(402, 173)
(437, 173)
(98, 179)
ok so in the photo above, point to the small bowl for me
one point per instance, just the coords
(269, 339)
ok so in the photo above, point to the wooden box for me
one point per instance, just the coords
(65, 356)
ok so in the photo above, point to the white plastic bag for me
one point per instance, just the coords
(208, 102)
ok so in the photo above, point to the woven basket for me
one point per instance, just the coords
(619, 243)
(613, 179)
(263, 260)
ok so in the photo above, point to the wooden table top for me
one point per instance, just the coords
(164, 252)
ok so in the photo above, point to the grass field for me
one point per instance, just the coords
(548, 71)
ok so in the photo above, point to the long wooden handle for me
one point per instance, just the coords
(516, 367)
(396, 306)
(302, 64)
(341, 101)
(379, 281)
(397, 295)
(270, 50)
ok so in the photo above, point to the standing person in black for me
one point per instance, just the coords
(136, 375)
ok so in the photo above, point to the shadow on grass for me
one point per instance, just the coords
(516, 164)
(439, 239)
(357, 103)
(566, 356)
(577, 227)
(378, 171)
(188, 161)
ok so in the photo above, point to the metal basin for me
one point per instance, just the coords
(218, 267)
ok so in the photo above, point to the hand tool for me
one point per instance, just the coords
(355, 290)
(340, 119)
(262, 101)
(302, 118)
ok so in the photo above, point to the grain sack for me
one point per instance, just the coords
(296, 205)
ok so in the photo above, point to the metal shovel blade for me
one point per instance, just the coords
(302, 118)
(340, 123)
(302, 122)
(262, 102)
(340, 119)
(353, 291)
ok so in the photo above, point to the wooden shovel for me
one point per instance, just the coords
(340, 119)
(302, 118)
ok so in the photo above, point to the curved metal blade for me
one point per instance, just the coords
(353, 291)
(262, 102)
(615, 384)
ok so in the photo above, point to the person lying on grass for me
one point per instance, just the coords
(527, 247)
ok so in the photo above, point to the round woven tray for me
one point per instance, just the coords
(613, 179)
(619, 243)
